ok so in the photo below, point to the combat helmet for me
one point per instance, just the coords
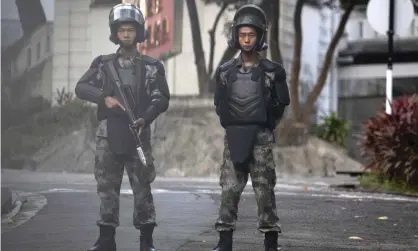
(127, 13)
(253, 16)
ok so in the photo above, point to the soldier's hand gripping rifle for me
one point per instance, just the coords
(132, 125)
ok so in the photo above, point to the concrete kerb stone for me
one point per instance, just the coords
(6, 200)
(25, 206)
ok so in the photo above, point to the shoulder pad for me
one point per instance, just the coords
(96, 62)
(269, 65)
(108, 57)
(225, 66)
(149, 60)
(152, 61)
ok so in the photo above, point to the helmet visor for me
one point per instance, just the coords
(126, 13)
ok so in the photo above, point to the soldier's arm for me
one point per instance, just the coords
(217, 94)
(160, 94)
(281, 97)
(90, 87)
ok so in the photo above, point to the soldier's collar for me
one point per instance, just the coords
(240, 63)
(137, 55)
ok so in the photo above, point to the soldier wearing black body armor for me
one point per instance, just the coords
(250, 98)
(144, 83)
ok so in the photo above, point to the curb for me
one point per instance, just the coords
(12, 206)
(26, 206)
(8, 218)
(6, 200)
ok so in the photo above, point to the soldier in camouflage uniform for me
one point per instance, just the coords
(250, 98)
(144, 83)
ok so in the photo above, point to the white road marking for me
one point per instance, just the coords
(348, 195)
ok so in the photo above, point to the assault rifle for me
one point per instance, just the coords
(135, 132)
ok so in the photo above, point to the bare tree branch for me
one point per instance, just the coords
(297, 54)
(212, 33)
(322, 78)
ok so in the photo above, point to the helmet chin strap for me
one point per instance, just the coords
(259, 40)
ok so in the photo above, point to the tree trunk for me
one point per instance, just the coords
(212, 38)
(297, 52)
(274, 31)
(31, 14)
(228, 54)
(322, 78)
(198, 48)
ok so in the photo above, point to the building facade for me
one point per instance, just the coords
(26, 52)
(362, 65)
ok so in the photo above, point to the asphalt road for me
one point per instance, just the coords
(312, 216)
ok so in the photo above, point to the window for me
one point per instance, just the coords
(157, 34)
(360, 29)
(148, 41)
(38, 51)
(29, 52)
(48, 44)
(165, 30)
(157, 6)
(149, 8)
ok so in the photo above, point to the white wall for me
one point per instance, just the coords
(358, 28)
(181, 70)
(100, 43)
(72, 43)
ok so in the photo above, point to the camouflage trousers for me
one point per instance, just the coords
(108, 172)
(233, 180)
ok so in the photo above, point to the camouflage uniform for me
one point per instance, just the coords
(234, 178)
(250, 101)
(108, 171)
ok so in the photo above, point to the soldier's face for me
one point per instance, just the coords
(247, 38)
(127, 34)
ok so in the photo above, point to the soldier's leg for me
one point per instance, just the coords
(144, 216)
(263, 177)
(232, 180)
(108, 172)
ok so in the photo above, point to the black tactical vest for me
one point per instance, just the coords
(245, 102)
(121, 140)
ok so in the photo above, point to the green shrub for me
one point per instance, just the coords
(39, 130)
(390, 142)
(333, 130)
(13, 114)
(378, 181)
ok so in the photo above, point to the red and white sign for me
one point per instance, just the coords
(164, 22)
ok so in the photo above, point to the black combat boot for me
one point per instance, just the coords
(270, 241)
(106, 240)
(225, 241)
(145, 240)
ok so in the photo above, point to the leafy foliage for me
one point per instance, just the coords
(37, 131)
(334, 130)
(390, 142)
(14, 114)
(379, 182)
(63, 97)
